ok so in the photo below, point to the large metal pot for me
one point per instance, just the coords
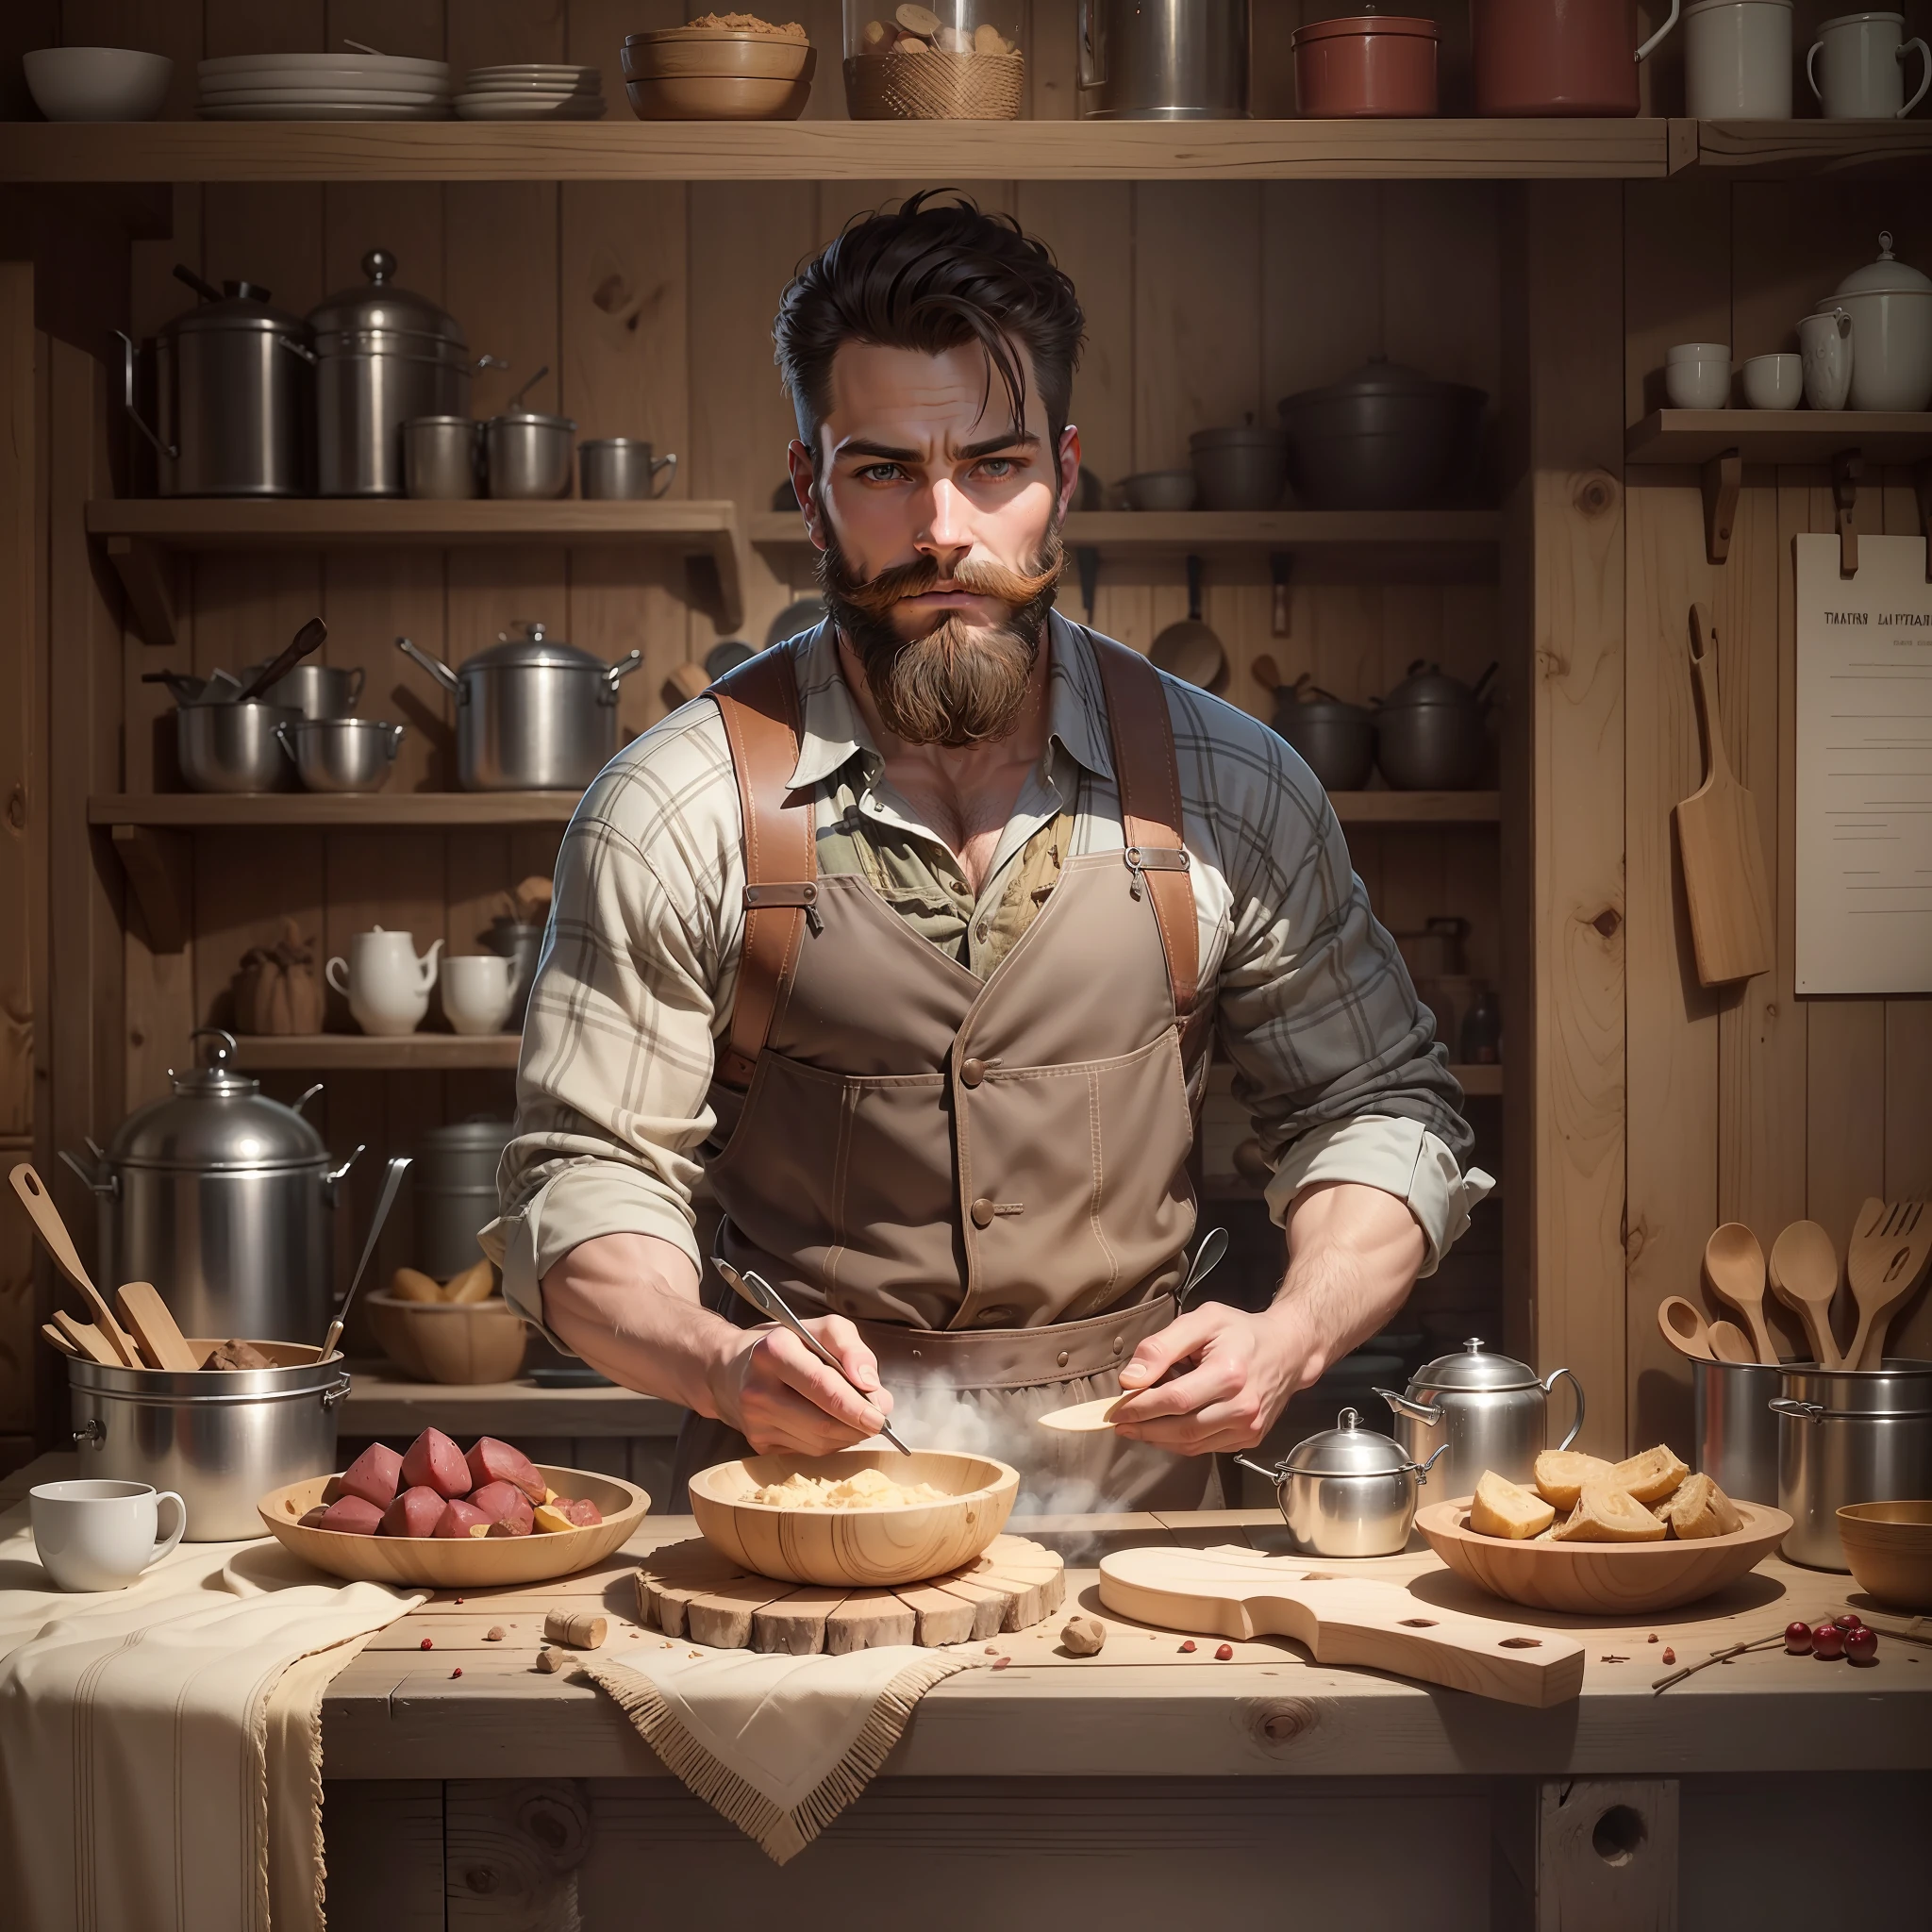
(1492, 1412)
(1164, 60)
(1431, 734)
(1735, 1428)
(1849, 1436)
(225, 1200)
(1384, 438)
(384, 356)
(454, 1178)
(219, 1438)
(1335, 739)
(1348, 1492)
(224, 746)
(533, 714)
(233, 393)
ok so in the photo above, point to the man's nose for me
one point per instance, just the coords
(948, 532)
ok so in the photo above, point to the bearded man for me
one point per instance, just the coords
(913, 936)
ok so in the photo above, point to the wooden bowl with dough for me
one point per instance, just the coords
(905, 1543)
(1600, 1579)
(465, 1563)
(1888, 1546)
(717, 97)
(461, 1342)
(680, 52)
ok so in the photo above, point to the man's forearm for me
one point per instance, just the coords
(1354, 1255)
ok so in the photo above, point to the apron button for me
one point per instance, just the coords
(982, 1212)
(1119, 1341)
(970, 1073)
(1063, 1358)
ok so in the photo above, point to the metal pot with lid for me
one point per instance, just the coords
(384, 354)
(1383, 438)
(232, 395)
(1335, 739)
(533, 713)
(1488, 1411)
(1431, 731)
(224, 1199)
(1890, 303)
(1348, 1491)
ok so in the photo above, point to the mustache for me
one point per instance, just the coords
(975, 577)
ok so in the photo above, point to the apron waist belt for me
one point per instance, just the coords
(1014, 1357)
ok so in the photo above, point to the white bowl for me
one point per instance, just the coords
(1698, 352)
(1698, 385)
(97, 83)
(1774, 382)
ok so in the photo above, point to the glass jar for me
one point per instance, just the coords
(953, 60)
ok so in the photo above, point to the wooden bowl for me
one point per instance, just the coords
(468, 1563)
(717, 97)
(1600, 1579)
(680, 52)
(1888, 1546)
(861, 1547)
(450, 1342)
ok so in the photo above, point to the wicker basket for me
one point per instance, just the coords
(935, 86)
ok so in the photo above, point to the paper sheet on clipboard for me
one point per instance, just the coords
(1864, 768)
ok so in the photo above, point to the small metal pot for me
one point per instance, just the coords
(1384, 438)
(1243, 468)
(455, 1179)
(1734, 1427)
(510, 940)
(1492, 1412)
(528, 455)
(231, 748)
(317, 690)
(342, 754)
(620, 468)
(1335, 739)
(1430, 731)
(1348, 1491)
(221, 1439)
(442, 457)
(1848, 1435)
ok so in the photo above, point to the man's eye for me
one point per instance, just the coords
(880, 473)
(996, 469)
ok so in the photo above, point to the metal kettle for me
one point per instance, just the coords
(224, 1199)
(1348, 1492)
(1488, 1412)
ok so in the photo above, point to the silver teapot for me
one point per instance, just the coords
(1348, 1491)
(1488, 1411)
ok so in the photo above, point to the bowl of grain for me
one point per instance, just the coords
(720, 67)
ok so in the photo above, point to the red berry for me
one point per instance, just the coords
(1669, 1655)
(1827, 1641)
(1188, 1644)
(1798, 1638)
(457, 1672)
(1849, 1620)
(1224, 1653)
(427, 1643)
(1861, 1645)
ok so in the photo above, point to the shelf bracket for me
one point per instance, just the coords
(1724, 476)
(1279, 563)
(1847, 467)
(156, 866)
(1921, 483)
(148, 579)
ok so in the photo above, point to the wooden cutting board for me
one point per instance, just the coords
(1341, 1620)
(1721, 848)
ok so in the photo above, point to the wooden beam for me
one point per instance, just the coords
(1724, 476)
(147, 578)
(157, 867)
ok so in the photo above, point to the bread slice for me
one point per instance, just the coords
(1701, 1510)
(1605, 1514)
(1507, 1509)
(1651, 1476)
(1560, 1474)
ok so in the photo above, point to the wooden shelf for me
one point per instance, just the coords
(1778, 436)
(1417, 807)
(135, 529)
(265, 1053)
(1791, 148)
(383, 1402)
(624, 150)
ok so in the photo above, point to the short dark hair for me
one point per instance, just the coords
(932, 275)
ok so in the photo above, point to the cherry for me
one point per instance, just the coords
(1798, 1638)
(1861, 1645)
(1849, 1620)
(1828, 1642)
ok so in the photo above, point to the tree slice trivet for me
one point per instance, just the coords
(688, 1590)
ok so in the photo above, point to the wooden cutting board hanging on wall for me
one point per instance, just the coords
(1718, 839)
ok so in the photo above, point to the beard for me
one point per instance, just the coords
(959, 683)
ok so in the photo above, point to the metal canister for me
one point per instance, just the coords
(1735, 1427)
(455, 1179)
(1849, 1436)
(219, 1438)
(1164, 60)
(442, 457)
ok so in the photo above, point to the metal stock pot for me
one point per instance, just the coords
(1348, 1491)
(1491, 1413)
(1849, 1436)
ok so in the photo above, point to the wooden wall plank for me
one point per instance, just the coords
(22, 821)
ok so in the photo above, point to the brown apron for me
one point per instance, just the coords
(989, 1177)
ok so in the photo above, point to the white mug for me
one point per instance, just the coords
(476, 989)
(1864, 67)
(93, 1533)
(1824, 343)
(1737, 60)
(386, 984)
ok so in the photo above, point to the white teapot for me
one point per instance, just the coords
(385, 981)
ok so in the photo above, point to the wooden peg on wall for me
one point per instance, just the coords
(1847, 467)
(1278, 570)
(1722, 477)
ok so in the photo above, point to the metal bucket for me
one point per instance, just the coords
(1849, 1436)
(221, 1439)
(456, 1192)
(1735, 1427)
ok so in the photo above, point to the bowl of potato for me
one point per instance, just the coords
(1600, 1538)
(456, 1331)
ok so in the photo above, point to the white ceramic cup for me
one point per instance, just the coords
(385, 983)
(1824, 344)
(1857, 67)
(1738, 59)
(1772, 382)
(1697, 376)
(98, 1535)
(476, 989)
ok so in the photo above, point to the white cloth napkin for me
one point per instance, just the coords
(161, 1747)
(777, 1744)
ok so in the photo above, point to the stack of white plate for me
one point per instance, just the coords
(324, 87)
(530, 90)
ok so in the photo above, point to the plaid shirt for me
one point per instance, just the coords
(1333, 1055)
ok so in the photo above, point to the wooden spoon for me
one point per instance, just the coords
(52, 1230)
(1685, 1328)
(1084, 1417)
(1734, 1266)
(1892, 1244)
(1804, 1277)
(147, 1317)
(53, 1336)
(84, 1339)
(1729, 1343)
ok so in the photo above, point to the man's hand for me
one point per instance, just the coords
(780, 1396)
(1354, 1252)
